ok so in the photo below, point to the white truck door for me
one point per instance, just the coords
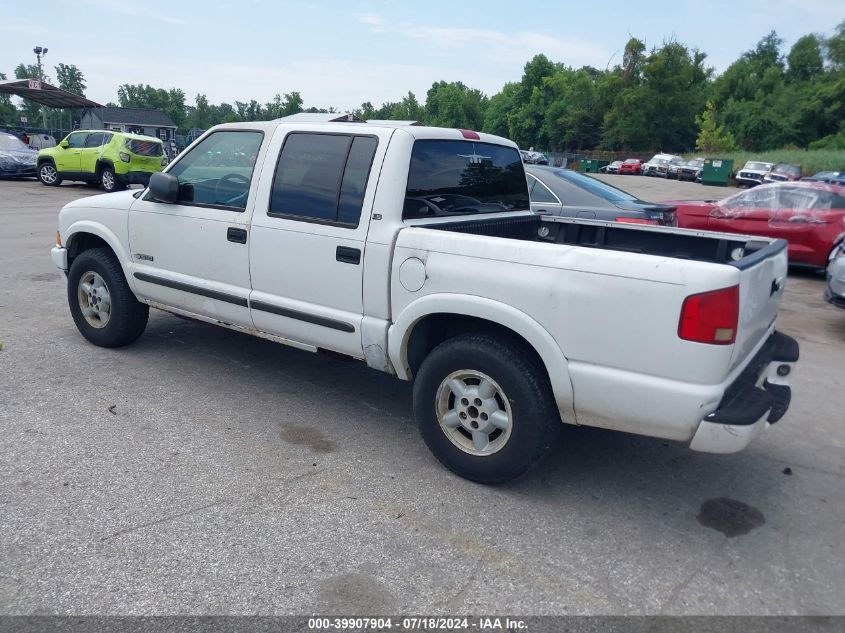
(194, 255)
(308, 234)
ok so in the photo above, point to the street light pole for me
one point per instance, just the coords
(39, 52)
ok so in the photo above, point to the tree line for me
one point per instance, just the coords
(666, 98)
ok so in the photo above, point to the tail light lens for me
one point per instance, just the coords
(710, 317)
(636, 221)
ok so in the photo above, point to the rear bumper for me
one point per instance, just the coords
(758, 398)
(134, 178)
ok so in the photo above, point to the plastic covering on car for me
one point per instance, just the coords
(809, 203)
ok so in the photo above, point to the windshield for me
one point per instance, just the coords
(463, 177)
(757, 166)
(792, 170)
(632, 161)
(596, 187)
(694, 163)
(7, 141)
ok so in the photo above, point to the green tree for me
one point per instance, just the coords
(70, 78)
(171, 101)
(455, 105)
(712, 137)
(8, 111)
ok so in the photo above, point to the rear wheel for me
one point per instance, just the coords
(48, 175)
(485, 408)
(108, 180)
(102, 305)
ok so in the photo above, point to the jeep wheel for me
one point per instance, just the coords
(485, 408)
(102, 305)
(48, 175)
(108, 180)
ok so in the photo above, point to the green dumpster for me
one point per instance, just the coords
(717, 171)
(590, 166)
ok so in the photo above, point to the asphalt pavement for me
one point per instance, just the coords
(201, 471)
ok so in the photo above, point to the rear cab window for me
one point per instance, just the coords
(451, 178)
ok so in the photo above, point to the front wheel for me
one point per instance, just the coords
(102, 305)
(48, 175)
(485, 407)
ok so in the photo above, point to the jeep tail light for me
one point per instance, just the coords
(636, 221)
(710, 317)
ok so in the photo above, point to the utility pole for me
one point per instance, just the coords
(40, 52)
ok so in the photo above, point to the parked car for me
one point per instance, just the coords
(835, 289)
(100, 157)
(17, 160)
(783, 172)
(567, 193)
(674, 168)
(612, 168)
(658, 165)
(508, 322)
(631, 166)
(752, 173)
(830, 177)
(40, 141)
(809, 215)
(530, 157)
(691, 170)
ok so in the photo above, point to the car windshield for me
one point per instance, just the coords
(756, 166)
(596, 187)
(632, 161)
(7, 141)
(616, 163)
(693, 163)
(463, 177)
(661, 161)
(792, 170)
(827, 174)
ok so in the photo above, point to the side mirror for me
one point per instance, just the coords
(164, 187)
(64, 144)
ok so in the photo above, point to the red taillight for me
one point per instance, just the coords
(710, 317)
(636, 221)
(470, 134)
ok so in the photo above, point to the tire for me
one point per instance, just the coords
(108, 180)
(48, 175)
(515, 412)
(102, 305)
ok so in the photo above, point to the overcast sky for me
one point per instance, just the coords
(343, 53)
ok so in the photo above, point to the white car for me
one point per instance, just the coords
(752, 173)
(659, 165)
(835, 289)
(413, 250)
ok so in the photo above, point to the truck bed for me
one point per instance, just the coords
(631, 238)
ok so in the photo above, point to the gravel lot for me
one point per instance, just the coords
(206, 472)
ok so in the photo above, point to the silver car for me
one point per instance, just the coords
(835, 290)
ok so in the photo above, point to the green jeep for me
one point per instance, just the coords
(101, 157)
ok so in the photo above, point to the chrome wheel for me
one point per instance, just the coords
(94, 299)
(474, 412)
(48, 174)
(108, 180)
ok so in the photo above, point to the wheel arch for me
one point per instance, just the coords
(428, 321)
(103, 162)
(85, 235)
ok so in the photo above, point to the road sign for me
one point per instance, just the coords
(24, 119)
(34, 84)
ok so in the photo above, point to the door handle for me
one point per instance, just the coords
(348, 255)
(238, 236)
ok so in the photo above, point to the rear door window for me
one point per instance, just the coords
(94, 139)
(322, 177)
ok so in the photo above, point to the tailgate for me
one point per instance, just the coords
(761, 287)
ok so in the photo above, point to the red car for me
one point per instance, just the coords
(631, 166)
(808, 215)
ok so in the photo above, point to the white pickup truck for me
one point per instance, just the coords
(413, 250)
